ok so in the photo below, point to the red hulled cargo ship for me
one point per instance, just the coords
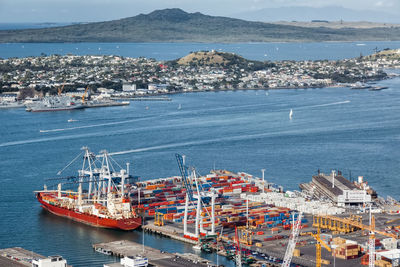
(104, 203)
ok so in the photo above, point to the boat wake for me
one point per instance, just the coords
(201, 142)
(326, 105)
(92, 126)
(173, 113)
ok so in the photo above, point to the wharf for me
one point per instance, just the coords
(143, 98)
(156, 257)
(18, 257)
(106, 104)
(169, 231)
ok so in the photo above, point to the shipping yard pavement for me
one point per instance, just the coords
(273, 251)
(17, 257)
(156, 257)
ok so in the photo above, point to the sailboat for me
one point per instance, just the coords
(179, 107)
(291, 114)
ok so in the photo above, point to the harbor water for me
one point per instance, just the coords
(355, 131)
(170, 51)
(331, 128)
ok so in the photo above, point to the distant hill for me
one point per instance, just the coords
(387, 53)
(305, 13)
(176, 25)
(211, 58)
(217, 59)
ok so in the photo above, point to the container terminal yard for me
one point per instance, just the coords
(331, 221)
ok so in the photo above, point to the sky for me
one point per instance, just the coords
(15, 11)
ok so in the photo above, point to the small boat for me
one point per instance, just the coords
(103, 251)
(147, 107)
(9, 104)
(378, 88)
(360, 86)
(197, 247)
(71, 120)
(291, 114)
(179, 107)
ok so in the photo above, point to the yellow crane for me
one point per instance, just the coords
(245, 236)
(61, 89)
(318, 246)
(83, 96)
(392, 221)
(159, 219)
(339, 224)
(346, 225)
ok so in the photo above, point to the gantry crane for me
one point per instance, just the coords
(371, 241)
(190, 196)
(245, 236)
(336, 223)
(159, 219)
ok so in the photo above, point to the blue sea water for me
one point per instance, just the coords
(332, 128)
(169, 51)
(21, 26)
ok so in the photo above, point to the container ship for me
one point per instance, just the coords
(103, 202)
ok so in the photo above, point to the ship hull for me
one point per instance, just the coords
(123, 224)
(55, 109)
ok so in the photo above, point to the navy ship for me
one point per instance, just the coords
(54, 103)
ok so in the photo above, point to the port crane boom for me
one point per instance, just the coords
(326, 221)
(238, 250)
(83, 95)
(292, 241)
(320, 242)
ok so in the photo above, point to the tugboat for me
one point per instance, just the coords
(104, 203)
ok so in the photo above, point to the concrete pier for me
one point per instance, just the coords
(18, 257)
(156, 257)
(167, 230)
(149, 98)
